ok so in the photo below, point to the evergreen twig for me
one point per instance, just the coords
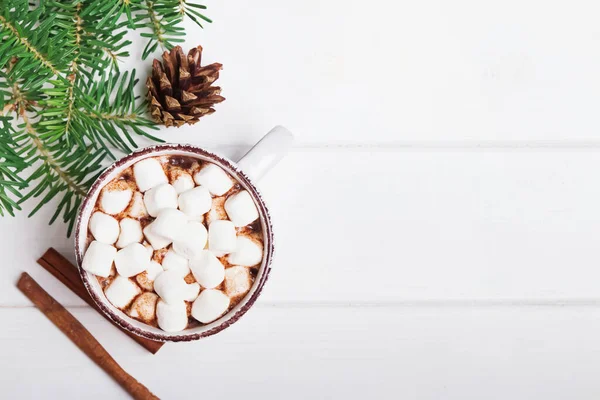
(64, 104)
(163, 19)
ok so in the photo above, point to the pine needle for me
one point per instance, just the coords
(65, 106)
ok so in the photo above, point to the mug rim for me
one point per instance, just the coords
(229, 318)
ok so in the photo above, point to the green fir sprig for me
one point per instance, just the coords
(162, 21)
(65, 105)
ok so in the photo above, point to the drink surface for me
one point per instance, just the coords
(174, 241)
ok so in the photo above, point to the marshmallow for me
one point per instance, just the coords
(144, 306)
(221, 237)
(160, 197)
(241, 209)
(171, 287)
(174, 262)
(171, 317)
(156, 241)
(146, 278)
(183, 183)
(247, 252)
(192, 291)
(169, 223)
(149, 173)
(148, 247)
(121, 291)
(104, 228)
(115, 201)
(210, 305)
(217, 211)
(132, 260)
(137, 209)
(214, 179)
(153, 270)
(195, 202)
(207, 269)
(98, 258)
(191, 240)
(131, 232)
(237, 281)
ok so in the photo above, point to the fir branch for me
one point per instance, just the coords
(43, 152)
(47, 158)
(12, 31)
(101, 46)
(116, 113)
(75, 24)
(163, 18)
(11, 163)
(191, 11)
(68, 174)
(52, 176)
(63, 115)
(157, 35)
(56, 174)
(59, 78)
(113, 117)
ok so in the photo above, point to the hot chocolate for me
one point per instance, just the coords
(174, 241)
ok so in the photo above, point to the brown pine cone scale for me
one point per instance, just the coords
(180, 91)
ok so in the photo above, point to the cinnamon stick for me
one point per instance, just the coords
(82, 338)
(67, 273)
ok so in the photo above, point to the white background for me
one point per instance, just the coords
(437, 221)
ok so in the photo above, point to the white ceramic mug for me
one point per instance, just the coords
(264, 155)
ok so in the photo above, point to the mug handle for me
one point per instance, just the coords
(266, 153)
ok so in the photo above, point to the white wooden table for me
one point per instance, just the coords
(438, 219)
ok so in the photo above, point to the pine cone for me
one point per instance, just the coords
(179, 90)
